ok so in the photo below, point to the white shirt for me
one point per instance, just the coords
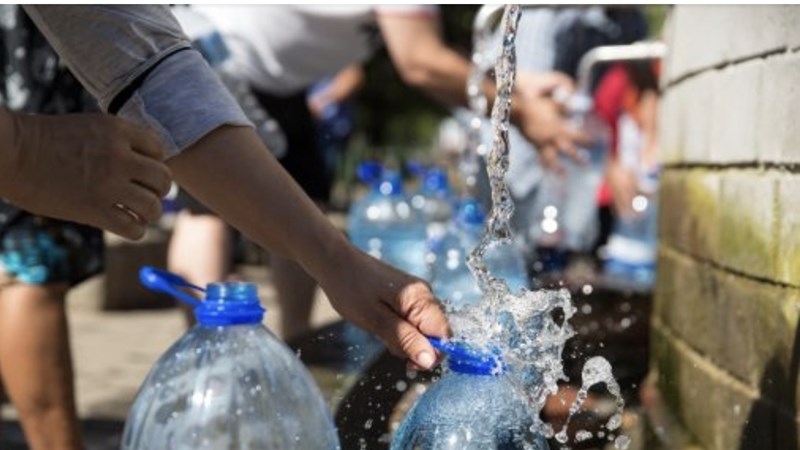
(282, 49)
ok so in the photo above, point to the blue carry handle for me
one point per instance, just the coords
(168, 283)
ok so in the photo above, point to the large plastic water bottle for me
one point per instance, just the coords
(632, 247)
(474, 406)
(567, 221)
(450, 277)
(434, 201)
(228, 383)
(384, 224)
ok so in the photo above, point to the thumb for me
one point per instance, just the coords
(416, 315)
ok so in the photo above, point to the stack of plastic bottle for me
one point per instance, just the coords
(474, 406)
(228, 383)
(384, 224)
(450, 276)
(567, 202)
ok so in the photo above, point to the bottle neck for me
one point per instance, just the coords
(229, 304)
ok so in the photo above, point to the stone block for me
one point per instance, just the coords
(735, 114)
(684, 302)
(695, 97)
(778, 133)
(693, 44)
(689, 215)
(671, 201)
(670, 122)
(710, 36)
(788, 258)
(719, 411)
(790, 15)
(756, 335)
(747, 223)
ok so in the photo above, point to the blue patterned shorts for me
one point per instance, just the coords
(37, 250)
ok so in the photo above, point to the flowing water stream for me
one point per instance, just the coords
(530, 327)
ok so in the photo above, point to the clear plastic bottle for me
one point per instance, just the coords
(434, 201)
(450, 276)
(579, 214)
(228, 383)
(384, 224)
(567, 203)
(474, 406)
(632, 248)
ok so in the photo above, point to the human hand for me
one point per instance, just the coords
(541, 117)
(397, 307)
(95, 169)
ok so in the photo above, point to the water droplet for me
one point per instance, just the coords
(622, 442)
(582, 435)
(614, 422)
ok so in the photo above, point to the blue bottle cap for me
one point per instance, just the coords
(435, 182)
(391, 184)
(466, 359)
(470, 212)
(416, 168)
(369, 172)
(224, 304)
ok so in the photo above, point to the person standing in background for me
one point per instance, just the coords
(40, 258)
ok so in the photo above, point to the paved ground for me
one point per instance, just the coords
(113, 352)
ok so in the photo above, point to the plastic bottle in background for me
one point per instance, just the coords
(434, 201)
(581, 224)
(384, 224)
(474, 406)
(568, 221)
(547, 230)
(450, 277)
(228, 383)
(631, 250)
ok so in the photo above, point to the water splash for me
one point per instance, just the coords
(596, 371)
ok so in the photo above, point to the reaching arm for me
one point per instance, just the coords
(425, 62)
(235, 175)
(218, 157)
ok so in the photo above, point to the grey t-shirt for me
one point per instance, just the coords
(109, 47)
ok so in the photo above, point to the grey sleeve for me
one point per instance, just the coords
(109, 47)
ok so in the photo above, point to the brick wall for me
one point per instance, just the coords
(726, 342)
